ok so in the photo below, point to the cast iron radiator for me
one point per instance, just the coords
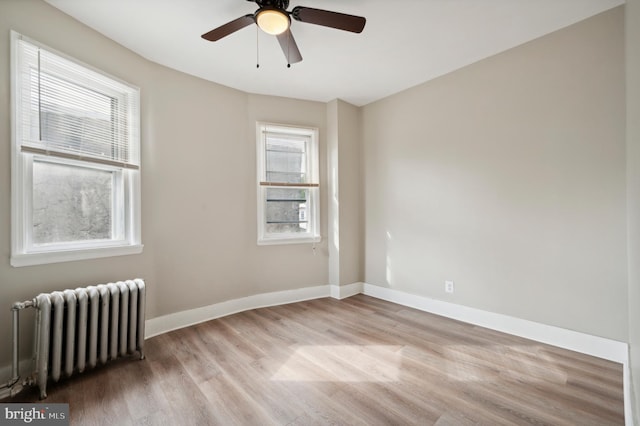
(78, 329)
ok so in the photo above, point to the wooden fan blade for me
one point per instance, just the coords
(289, 47)
(340, 21)
(229, 28)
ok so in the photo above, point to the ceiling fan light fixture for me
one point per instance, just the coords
(273, 21)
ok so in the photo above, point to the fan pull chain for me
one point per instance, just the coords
(257, 47)
(289, 49)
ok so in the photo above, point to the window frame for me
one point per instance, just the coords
(23, 252)
(312, 185)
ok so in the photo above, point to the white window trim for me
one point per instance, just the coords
(314, 192)
(21, 189)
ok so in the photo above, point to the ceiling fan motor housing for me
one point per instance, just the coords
(277, 4)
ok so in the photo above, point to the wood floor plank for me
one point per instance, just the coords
(357, 361)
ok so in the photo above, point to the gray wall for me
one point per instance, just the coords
(508, 177)
(633, 188)
(41, 22)
(344, 193)
(350, 136)
(198, 184)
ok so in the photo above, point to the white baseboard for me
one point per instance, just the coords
(600, 347)
(580, 342)
(175, 321)
(567, 339)
(166, 323)
(344, 291)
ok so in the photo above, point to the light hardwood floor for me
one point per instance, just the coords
(358, 361)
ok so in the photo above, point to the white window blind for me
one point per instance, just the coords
(70, 111)
(287, 159)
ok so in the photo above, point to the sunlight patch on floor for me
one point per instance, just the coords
(342, 363)
(470, 363)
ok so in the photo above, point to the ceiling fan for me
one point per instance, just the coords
(273, 18)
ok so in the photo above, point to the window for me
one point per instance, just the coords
(75, 159)
(288, 190)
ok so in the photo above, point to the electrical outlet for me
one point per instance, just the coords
(448, 286)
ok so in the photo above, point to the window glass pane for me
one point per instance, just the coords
(71, 203)
(286, 159)
(287, 210)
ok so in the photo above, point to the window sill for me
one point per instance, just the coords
(278, 241)
(30, 259)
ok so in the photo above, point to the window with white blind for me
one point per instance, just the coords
(288, 189)
(76, 159)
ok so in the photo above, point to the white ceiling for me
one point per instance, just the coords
(404, 43)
